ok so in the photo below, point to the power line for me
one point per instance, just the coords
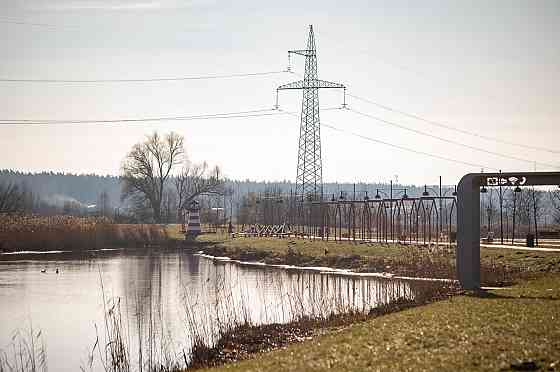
(227, 115)
(223, 115)
(179, 78)
(418, 152)
(453, 128)
(25, 23)
(453, 142)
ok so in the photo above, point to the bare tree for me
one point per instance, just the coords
(555, 202)
(536, 197)
(147, 168)
(524, 209)
(195, 180)
(103, 204)
(11, 198)
(169, 205)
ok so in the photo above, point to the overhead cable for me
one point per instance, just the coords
(404, 148)
(447, 140)
(227, 115)
(453, 128)
(143, 80)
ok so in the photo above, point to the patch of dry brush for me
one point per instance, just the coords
(71, 233)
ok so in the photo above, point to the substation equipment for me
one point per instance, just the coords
(388, 216)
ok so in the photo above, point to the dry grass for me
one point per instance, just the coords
(498, 266)
(25, 353)
(498, 330)
(69, 233)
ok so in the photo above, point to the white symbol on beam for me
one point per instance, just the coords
(492, 181)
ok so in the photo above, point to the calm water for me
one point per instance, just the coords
(180, 295)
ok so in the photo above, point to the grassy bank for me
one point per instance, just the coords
(498, 266)
(509, 329)
(70, 233)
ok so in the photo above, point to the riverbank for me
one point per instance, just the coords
(503, 329)
(245, 341)
(499, 267)
(506, 328)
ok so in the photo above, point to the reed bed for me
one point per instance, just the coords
(71, 233)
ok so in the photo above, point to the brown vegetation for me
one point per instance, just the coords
(397, 259)
(70, 233)
(243, 341)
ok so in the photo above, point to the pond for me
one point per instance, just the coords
(162, 300)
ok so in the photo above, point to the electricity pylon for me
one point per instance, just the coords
(309, 180)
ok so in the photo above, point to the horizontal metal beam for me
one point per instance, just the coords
(468, 215)
(311, 84)
(303, 52)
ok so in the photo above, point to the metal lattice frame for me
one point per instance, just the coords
(309, 179)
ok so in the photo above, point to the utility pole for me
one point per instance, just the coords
(309, 177)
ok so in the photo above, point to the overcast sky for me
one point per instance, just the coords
(485, 67)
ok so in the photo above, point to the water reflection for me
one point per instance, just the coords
(166, 299)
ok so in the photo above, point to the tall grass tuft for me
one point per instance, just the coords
(26, 352)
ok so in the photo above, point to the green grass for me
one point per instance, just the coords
(392, 256)
(468, 332)
(489, 331)
(305, 247)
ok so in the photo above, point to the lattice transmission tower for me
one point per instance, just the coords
(309, 179)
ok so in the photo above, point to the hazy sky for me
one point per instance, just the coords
(491, 67)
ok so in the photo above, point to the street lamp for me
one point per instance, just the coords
(405, 196)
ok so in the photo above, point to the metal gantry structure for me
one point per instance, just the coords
(391, 216)
(309, 177)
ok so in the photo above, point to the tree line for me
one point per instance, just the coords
(157, 180)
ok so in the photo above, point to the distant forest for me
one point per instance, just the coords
(53, 193)
(58, 189)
